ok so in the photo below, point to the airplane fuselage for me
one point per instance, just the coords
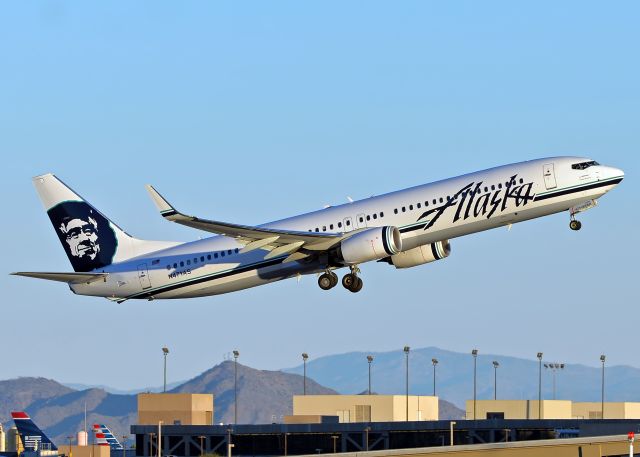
(424, 214)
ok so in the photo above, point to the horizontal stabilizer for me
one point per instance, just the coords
(71, 278)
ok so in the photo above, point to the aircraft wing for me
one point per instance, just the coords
(276, 240)
(73, 278)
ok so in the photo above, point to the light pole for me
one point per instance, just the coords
(160, 438)
(151, 435)
(554, 367)
(434, 362)
(124, 445)
(165, 351)
(236, 354)
(69, 438)
(602, 359)
(495, 379)
(451, 424)
(406, 353)
(369, 359)
(201, 446)
(474, 353)
(305, 356)
(539, 385)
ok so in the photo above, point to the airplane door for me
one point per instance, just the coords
(549, 176)
(143, 276)
(348, 225)
(361, 221)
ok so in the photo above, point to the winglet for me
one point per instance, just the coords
(163, 205)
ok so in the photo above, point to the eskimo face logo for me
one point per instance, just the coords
(81, 236)
(86, 235)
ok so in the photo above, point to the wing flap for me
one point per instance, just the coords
(70, 278)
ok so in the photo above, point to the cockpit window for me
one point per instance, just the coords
(583, 165)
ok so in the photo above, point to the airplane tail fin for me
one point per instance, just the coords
(89, 238)
(104, 437)
(32, 437)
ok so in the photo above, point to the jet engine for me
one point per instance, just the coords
(420, 255)
(370, 244)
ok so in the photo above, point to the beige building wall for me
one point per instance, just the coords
(367, 408)
(612, 410)
(86, 451)
(188, 409)
(521, 409)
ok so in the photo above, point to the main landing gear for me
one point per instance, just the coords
(350, 281)
(328, 280)
(575, 224)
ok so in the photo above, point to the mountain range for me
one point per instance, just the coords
(265, 396)
(516, 378)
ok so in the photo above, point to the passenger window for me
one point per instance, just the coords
(324, 228)
(201, 258)
(339, 224)
(195, 260)
(441, 200)
(222, 254)
(348, 222)
(486, 189)
(368, 217)
(237, 250)
(175, 265)
(410, 207)
(493, 187)
(182, 264)
(229, 251)
(317, 229)
(499, 185)
(426, 203)
(208, 256)
(215, 254)
(403, 209)
(435, 201)
(331, 227)
(395, 211)
(361, 219)
(381, 214)
(419, 205)
(168, 267)
(375, 216)
(521, 181)
(188, 262)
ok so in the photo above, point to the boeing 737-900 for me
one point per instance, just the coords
(405, 228)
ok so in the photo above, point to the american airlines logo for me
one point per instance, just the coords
(470, 201)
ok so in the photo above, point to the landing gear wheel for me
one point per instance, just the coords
(357, 286)
(349, 280)
(326, 281)
(334, 279)
(575, 225)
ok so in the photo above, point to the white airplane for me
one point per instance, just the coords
(405, 228)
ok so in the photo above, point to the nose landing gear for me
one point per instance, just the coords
(575, 225)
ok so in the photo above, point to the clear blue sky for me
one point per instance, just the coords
(254, 111)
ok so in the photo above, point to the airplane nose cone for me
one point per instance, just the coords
(617, 172)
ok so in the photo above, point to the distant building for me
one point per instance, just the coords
(612, 410)
(2, 438)
(367, 408)
(175, 409)
(519, 409)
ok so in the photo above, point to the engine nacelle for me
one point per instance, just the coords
(421, 255)
(371, 244)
